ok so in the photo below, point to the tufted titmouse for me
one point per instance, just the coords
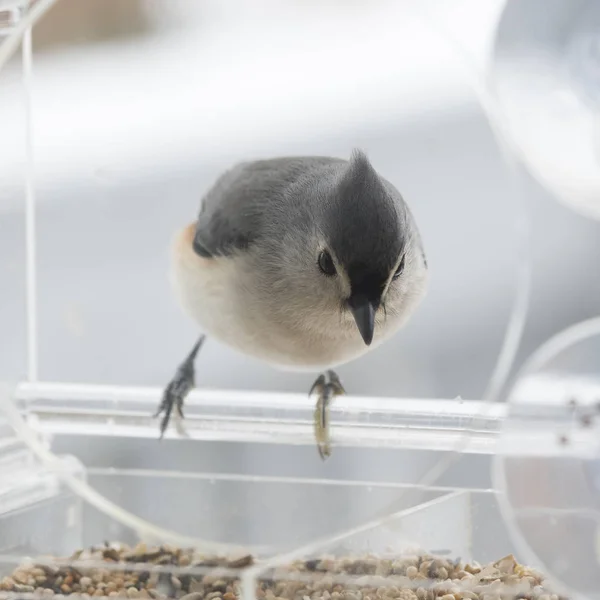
(304, 262)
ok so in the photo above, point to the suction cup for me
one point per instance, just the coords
(545, 74)
(548, 461)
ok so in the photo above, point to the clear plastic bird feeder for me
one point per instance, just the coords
(94, 116)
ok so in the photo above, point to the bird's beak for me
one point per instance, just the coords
(363, 311)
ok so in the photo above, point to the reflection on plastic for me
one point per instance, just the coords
(545, 73)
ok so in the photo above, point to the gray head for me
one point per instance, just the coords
(347, 246)
(366, 229)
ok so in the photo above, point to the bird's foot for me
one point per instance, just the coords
(327, 386)
(178, 388)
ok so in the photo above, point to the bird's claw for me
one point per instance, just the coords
(178, 388)
(172, 399)
(327, 386)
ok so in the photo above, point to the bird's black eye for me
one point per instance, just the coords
(399, 269)
(326, 263)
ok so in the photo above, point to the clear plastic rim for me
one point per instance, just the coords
(541, 356)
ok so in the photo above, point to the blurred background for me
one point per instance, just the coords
(139, 104)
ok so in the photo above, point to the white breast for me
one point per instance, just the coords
(212, 293)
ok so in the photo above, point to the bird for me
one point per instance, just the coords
(303, 262)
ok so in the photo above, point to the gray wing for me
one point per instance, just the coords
(234, 212)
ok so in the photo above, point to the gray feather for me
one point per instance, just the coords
(367, 219)
(246, 200)
(361, 216)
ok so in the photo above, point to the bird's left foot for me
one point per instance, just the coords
(327, 386)
(178, 388)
